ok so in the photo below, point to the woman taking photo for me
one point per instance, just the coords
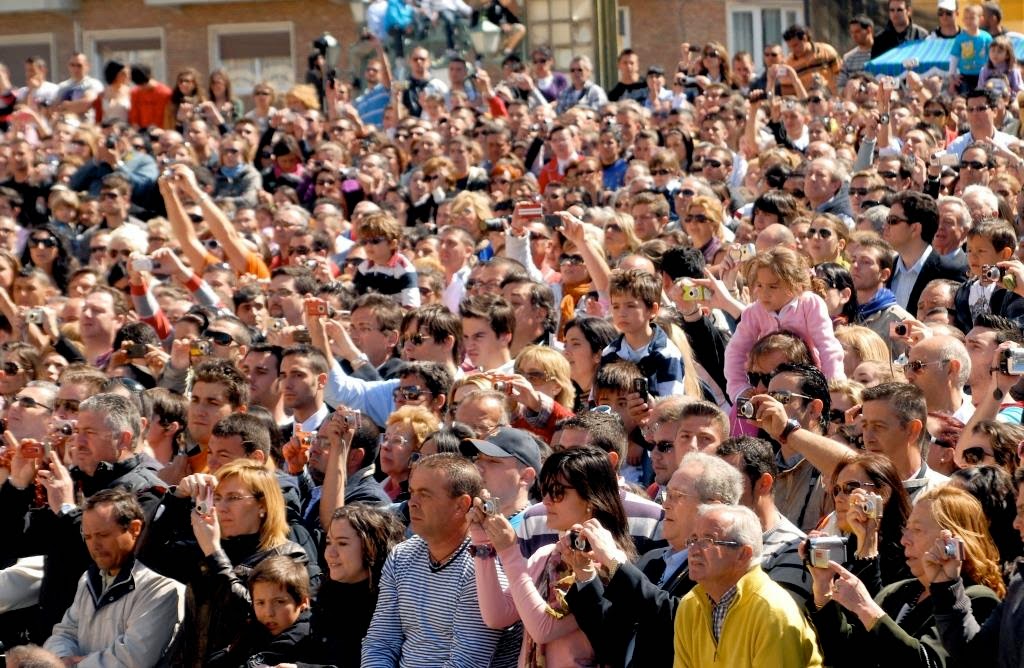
(358, 541)
(852, 482)
(227, 105)
(185, 99)
(898, 626)
(585, 338)
(578, 487)
(702, 219)
(239, 520)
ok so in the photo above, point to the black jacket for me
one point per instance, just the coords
(935, 266)
(257, 647)
(29, 531)
(632, 604)
(341, 617)
(1003, 302)
(889, 39)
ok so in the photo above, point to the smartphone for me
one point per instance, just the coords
(641, 387)
(553, 220)
(137, 351)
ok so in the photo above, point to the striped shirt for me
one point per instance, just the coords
(643, 518)
(660, 362)
(429, 619)
(397, 277)
(781, 560)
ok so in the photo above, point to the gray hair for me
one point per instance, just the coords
(876, 215)
(743, 526)
(120, 414)
(718, 481)
(133, 236)
(964, 214)
(48, 388)
(584, 61)
(983, 194)
(297, 210)
(952, 349)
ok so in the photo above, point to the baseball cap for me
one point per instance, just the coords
(503, 443)
(656, 69)
(948, 5)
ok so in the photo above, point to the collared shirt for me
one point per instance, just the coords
(720, 610)
(905, 278)
(313, 422)
(673, 562)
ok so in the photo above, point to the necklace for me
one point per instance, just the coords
(517, 511)
(438, 566)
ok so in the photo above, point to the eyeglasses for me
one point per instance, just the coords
(373, 241)
(889, 175)
(707, 542)
(415, 340)
(29, 402)
(976, 455)
(824, 233)
(410, 393)
(393, 440)
(895, 220)
(757, 379)
(431, 177)
(945, 12)
(698, 218)
(850, 485)
(978, 109)
(712, 163)
(859, 192)
(814, 100)
(868, 203)
(554, 490)
(917, 365)
(43, 242)
(66, 405)
(664, 446)
(114, 253)
(230, 499)
(536, 377)
(220, 338)
(300, 250)
(976, 165)
(661, 172)
(934, 113)
(785, 396)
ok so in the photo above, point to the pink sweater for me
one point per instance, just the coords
(564, 643)
(807, 316)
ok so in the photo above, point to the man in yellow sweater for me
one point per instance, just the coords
(736, 616)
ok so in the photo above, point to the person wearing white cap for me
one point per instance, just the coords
(948, 27)
(508, 461)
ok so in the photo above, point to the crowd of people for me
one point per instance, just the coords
(511, 369)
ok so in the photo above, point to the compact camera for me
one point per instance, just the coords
(35, 316)
(200, 348)
(1011, 362)
(578, 542)
(204, 505)
(65, 427)
(492, 506)
(352, 418)
(953, 548)
(143, 264)
(898, 329)
(695, 293)
(745, 408)
(316, 309)
(872, 506)
(822, 549)
(993, 273)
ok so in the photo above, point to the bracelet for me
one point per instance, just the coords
(483, 551)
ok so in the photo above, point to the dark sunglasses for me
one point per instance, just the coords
(29, 402)
(699, 218)
(824, 233)
(850, 485)
(43, 242)
(410, 393)
(975, 455)
(415, 339)
(10, 368)
(664, 446)
(976, 165)
(553, 490)
(759, 379)
(714, 164)
(570, 259)
(220, 338)
(300, 250)
(859, 191)
(67, 405)
(113, 253)
(889, 175)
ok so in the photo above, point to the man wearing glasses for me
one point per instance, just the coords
(31, 410)
(911, 226)
(583, 91)
(735, 602)
(981, 119)
(939, 366)
(898, 30)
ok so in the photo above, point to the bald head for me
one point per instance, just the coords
(638, 262)
(774, 235)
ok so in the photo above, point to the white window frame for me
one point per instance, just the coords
(54, 71)
(91, 37)
(625, 28)
(756, 8)
(215, 31)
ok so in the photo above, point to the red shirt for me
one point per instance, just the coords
(148, 105)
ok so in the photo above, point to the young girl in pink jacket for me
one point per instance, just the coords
(780, 282)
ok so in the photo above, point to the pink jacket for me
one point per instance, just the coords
(807, 316)
(564, 643)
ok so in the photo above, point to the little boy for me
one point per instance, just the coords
(385, 270)
(636, 300)
(988, 242)
(279, 587)
(614, 383)
(969, 53)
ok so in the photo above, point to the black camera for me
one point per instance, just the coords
(494, 225)
(578, 542)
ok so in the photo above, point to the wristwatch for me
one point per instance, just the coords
(791, 425)
(66, 509)
(884, 117)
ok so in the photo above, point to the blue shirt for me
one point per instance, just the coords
(903, 281)
(372, 103)
(971, 52)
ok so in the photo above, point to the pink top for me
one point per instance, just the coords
(564, 643)
(807, 316)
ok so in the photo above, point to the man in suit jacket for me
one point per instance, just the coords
(910, 228)
(629, 620)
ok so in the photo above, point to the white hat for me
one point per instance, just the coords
(948, 5)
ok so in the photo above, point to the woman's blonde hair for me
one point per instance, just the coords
(554, 364)
(304, 94)
(962, 515)
(420, 421)
(628, 226)
(838, 227)
(850, 389)
(865, 342)
(479, 203)
(790, 267)
(262, 484)
(691, 377)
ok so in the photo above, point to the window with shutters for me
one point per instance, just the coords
(568, 27)
(755, 25)
(254, 52)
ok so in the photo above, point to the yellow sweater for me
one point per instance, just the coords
(764, 627)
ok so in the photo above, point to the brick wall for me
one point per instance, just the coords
(186, 40)
(659, 26)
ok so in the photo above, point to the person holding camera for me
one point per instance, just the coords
(898, 626)
(581, 494)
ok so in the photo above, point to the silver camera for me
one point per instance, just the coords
(991, 272)
(1011, 362)
(500, 386)
(65, 427)
(352, 418)
(492, 506)
(823, 549)
(953, 548)
(872, 506)
(745, 408)
(142, 264)
(35, 316)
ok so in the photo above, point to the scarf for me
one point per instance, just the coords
(711, 249)
(231, 172)
(555, 580)
(571, 296)
(883, 299)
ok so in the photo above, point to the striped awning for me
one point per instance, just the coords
(931, 54)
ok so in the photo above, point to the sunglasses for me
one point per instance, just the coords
(868, 203)
(917, 365)
(570, 259)
(785, 396)
(410, 393)
(697, 218)
(44, 242)
(300, 250)
(536, 377)
(714, 164)
(686, 192)
(661, 172)
(29, 402)
(664, 446)
(976, 165)
(889, 175)
(814, 100)
(757, 379)
(11, 368)
(859, 192)
(824, 233)
(850, 485)
(220, 338)
(934, 113)
(895, 220)
(415, 339)
(976, 455)
(553, 490)
(114, 253)
(373, 241)
(67, 405)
